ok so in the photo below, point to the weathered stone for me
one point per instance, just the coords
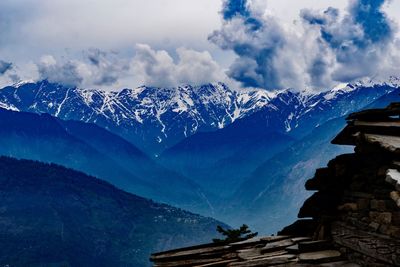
(393, 177)
(383, 228)
(301, 239)
(396, 218)
(395, 195)
(249, 253)
(374, 226)
(270, 261)
(348, 207)
(356, 194)
(277, 245)
(365, 242)
(363, 203)
(293, 249)
(378, 205)
(381, 217)
(307, 246)
(320, 256)
(394, 231)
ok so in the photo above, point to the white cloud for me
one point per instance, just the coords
(157, 68)
(65, 28)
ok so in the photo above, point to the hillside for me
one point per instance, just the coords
(54, 216)
(94, 150)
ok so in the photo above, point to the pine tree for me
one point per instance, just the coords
(234, 235)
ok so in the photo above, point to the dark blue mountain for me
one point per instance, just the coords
(220, 160)
(89, 148)
(54, 216)
(271, 196)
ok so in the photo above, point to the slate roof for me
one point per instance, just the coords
(265, 251)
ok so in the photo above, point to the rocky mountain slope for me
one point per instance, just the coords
(151, 118)
(157, 118)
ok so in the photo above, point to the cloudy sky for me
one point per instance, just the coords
(267, 44)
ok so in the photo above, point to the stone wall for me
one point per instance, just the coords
(356, 200)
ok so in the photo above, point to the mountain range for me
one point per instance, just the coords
(95, 151)
(150, 118)
(221, 160)
(231, 154)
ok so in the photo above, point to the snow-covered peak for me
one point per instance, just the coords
(22, 82)
(155, 118)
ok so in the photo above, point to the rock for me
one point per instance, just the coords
(393, 231)
(293, 249)
(393, 177)
(270, 261)
(395, 195)
(320, 256)
(270, 247)
(348, 207)
(396, 218)
(307, 246)
(383, 228)
(378, 205)
(363, 203)
(381, 217)
(374, 226)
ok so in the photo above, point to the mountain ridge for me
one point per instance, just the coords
(155, 119)
(94, 150)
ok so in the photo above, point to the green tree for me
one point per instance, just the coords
(234, 235)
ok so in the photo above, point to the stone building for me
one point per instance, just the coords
(352, 219)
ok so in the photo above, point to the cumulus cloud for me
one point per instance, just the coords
(106, 68)
(66, 73)
(5, 66)
(97, 68)
(328, 47)
(362, 41)
(148, 67)
(158, 68)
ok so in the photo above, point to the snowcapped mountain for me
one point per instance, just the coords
(298, 113)
(157, 118)
(220, 160)
(151, 118)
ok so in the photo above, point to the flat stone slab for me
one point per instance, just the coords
(247, 254)
(293, 249)
(277, 245)
(249, 242)
(308, 246)
(270, 261)
(393, 177)
(190, 253)
(387, 142)
(320, 256)
(274, 238)
(301, 239)
(378, 123)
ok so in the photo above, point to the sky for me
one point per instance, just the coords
(268, 44)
